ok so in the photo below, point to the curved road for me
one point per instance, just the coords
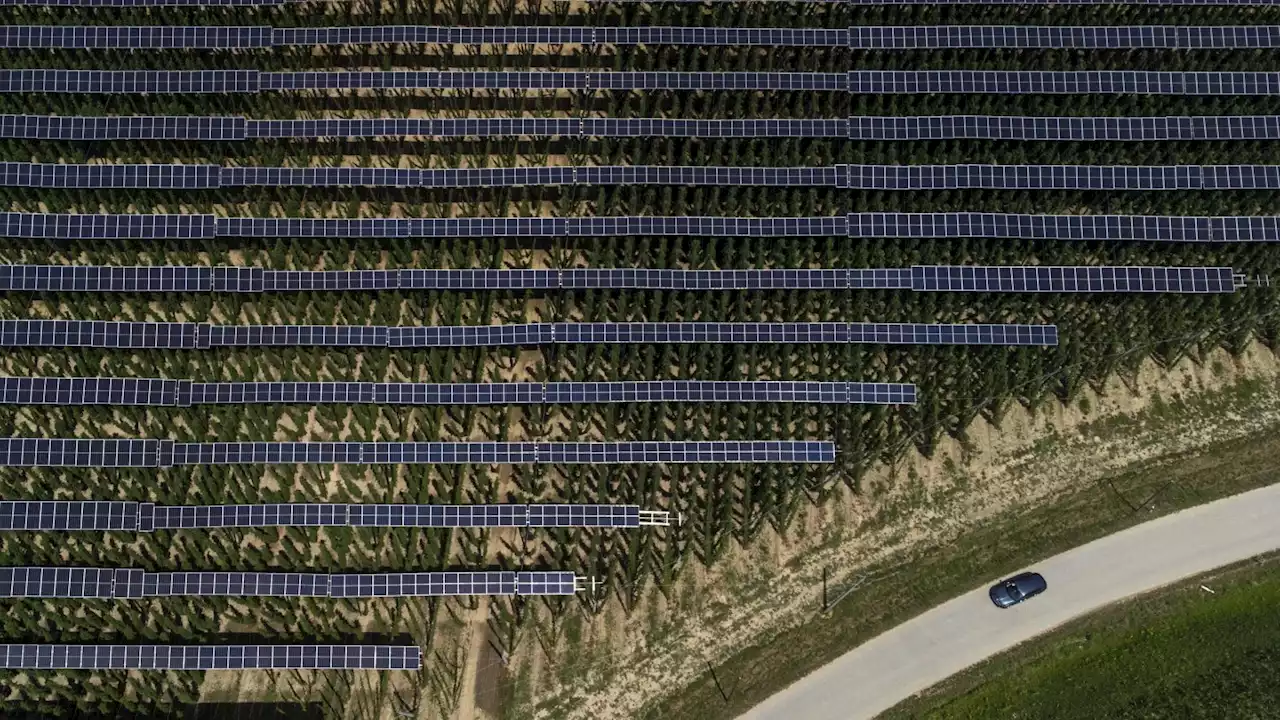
(947, 639)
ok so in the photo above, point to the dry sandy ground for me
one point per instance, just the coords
(1004, 470)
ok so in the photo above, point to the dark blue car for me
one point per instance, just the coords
(1014, 590)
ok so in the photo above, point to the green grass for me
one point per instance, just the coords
(933, 575)
(1179, 652)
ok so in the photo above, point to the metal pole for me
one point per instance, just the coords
(716, 680)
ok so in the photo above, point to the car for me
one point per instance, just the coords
(1014, 590)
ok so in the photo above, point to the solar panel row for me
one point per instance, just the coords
(1021, 82)
(1155, 228)
(157, 176)
(186, 227)
(864, 177)
(1075, 279)
(210, 657)
(69, 515)
(170, 278)
(860, 225)
(532, 227)
(144, 3)
(129, 81)
(97, 333)
(135, 37)
(513, 177)
(56, 452)
(943, 127)
(418, 34)
(1060, 177)
(138, 127)
(530, 80)
(1012, 127)
(544, 127)
(102, 334)
(145, 517)
(879, 82)
(185, 393)
(862, 37)
(235, 37)
(121, 584)
(103, 226)
(1021, 36)
(249, 81)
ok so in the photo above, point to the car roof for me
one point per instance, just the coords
(1029, 581)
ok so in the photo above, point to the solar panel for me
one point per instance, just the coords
(1061, 177)
(544, 127)
(1021, 36)
(77, 333)
(118, 584)
(879, 279)
(1074, 279)
(728, 391)
(423, 34)
(423, 584)
(52, 127)
(456, 393)
(687, 452)
(73, 226)
(88, 391)
(492, 453)
(439, 516)
(118, 82)
(47, 582)
(526, 80)
(652, 279)
(281, 392)
(791, 333)
(239, 279)
(531, 227)
(40, 452)
(172, 393)
(51, 175)
(479, 279)
(97, 334)
(143, 3)
(1156, 228)
(192, 517)
(298, 336)
(210, 657)
(241, 584)
(68, 515)
(340, 280)
(78, 37)
(619, 516)
(1012, 127)
(102, 278)
(546, 583)
(454, 583)
(104, 227)
(1004, 82)
(89, 515)
(524, 176)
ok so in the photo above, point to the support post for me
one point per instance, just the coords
(716, 680)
